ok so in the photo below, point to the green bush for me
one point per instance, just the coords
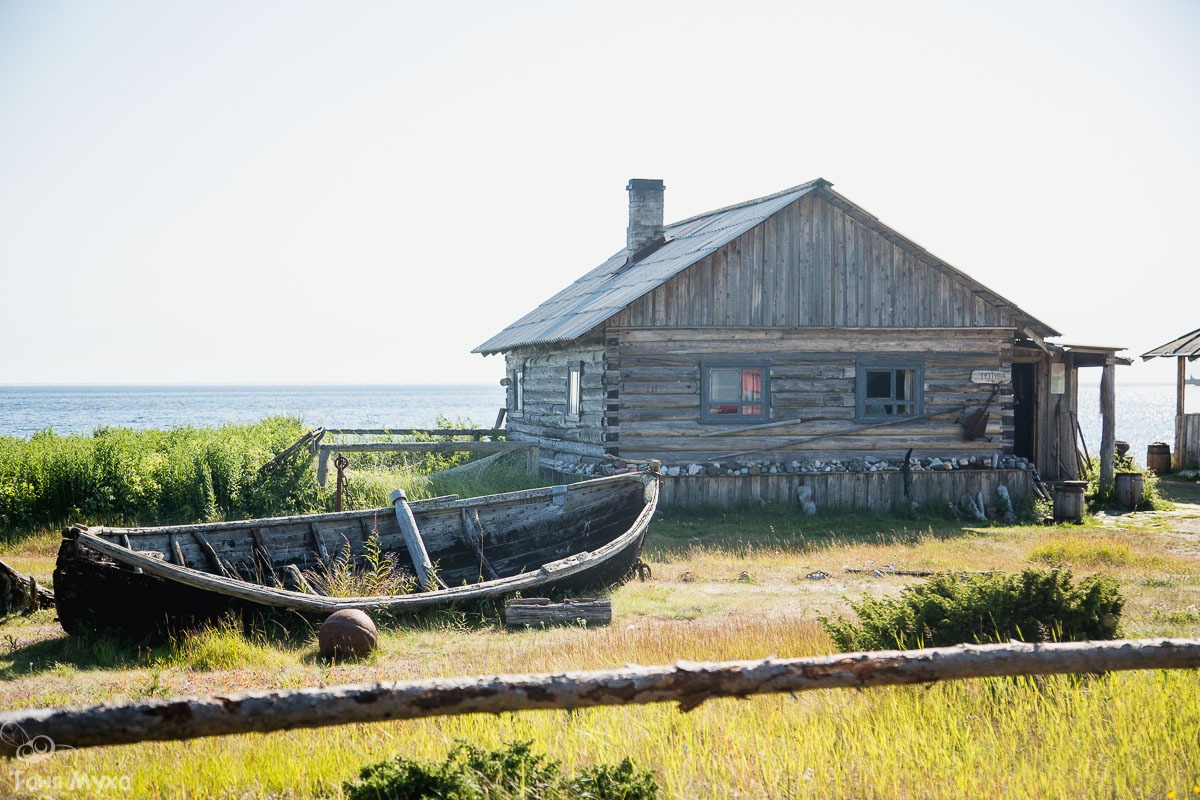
(123, 476)
(1034, 606)
(1151, 498)
(469, 773)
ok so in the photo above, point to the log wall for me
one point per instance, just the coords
(1190, 441)
(543, 417)
(653, 387)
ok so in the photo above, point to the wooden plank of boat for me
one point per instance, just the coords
(473, 535)
(178, 551)
(284, 598)
(218, 566)
(318, 537)
(21, 592)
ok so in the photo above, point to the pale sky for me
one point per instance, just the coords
(298, 192)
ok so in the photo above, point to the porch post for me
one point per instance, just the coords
(1180, 393)
(1108, 425)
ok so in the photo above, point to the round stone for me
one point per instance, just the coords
(348, 632)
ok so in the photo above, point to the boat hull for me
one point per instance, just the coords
(553, 541)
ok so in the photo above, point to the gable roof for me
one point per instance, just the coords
(621, 280)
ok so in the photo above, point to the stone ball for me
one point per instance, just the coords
(348, 632)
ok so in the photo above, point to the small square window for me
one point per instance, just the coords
(733, 393)
(887, 391)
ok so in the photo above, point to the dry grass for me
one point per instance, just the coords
(724, 587)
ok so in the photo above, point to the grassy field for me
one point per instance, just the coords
(724, 586)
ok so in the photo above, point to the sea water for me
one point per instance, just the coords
(1145, 414)
(25, 410)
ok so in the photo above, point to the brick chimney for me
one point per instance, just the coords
(645, 214)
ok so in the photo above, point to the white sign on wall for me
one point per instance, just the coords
(990, 376)
(1058, 378)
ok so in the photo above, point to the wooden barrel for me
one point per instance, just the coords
(1158, 458)
(1068, 501)
(1130, 488)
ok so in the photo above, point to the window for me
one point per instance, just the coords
(885, 391)
(574, 392)
(734, 393)
(518, 383)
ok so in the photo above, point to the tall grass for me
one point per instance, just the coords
(1120, 735)
(123, 476)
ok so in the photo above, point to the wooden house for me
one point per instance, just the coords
(788, 335)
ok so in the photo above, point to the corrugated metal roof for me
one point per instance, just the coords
(1186, 346)
(615, 284)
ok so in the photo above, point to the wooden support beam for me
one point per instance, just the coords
(422, 447)
(688, 684)
(416, 545)
(177, 551)
(324, 451)
(218, 566)
(1180, 396)
(319, 544)
(1108, 426)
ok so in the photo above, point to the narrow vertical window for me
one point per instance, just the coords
(518, 383)
(574, 392)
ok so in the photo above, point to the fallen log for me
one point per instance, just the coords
(914, 573)
(689, 684)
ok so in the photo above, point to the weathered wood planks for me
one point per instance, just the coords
(881, 492)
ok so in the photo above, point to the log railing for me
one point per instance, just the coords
(449, 442)
(688, 684)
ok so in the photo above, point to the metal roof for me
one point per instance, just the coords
(1186, 346)
(617, 282)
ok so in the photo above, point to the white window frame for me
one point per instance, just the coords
(575, 390)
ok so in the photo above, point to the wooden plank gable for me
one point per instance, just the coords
(816, 264)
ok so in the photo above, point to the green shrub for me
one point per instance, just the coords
(123, 476)
(1034, 606)
(469, 773)
(1151, 500)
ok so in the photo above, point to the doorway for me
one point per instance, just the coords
(1024, 384)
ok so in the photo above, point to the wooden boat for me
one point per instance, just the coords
(558, 539)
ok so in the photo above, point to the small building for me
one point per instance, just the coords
(1187, 426)
(790, 335)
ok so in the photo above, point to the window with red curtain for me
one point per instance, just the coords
(733, 393)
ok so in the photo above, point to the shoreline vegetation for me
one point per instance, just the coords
(724, 585)
(123, 476)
